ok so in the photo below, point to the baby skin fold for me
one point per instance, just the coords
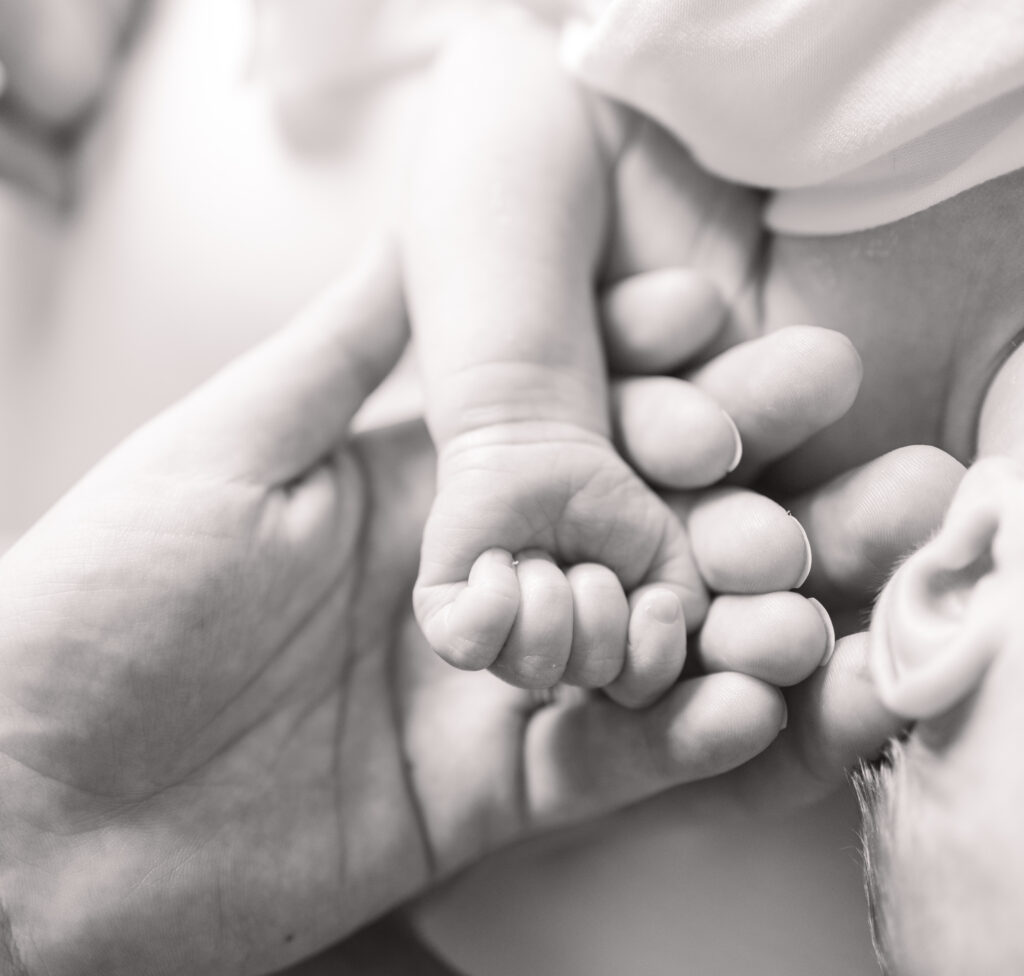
(546, 557)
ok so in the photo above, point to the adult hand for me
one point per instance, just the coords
(223, 742)
(780, 389)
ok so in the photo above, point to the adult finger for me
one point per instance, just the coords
(660, 412)
(778, 389)
(777, 637)
(743, 542)
(863, 522)
(590, 756)
(277, 410)
(657, 321)
(670, 213)
(836, 720)
(782, 388)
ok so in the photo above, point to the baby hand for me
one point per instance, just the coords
(547, 559)
(545, 556)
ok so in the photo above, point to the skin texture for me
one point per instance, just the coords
(936, 341)
(946, 622)
(533, 498)
(520, 431)
(206, 801)
(223, 903)
(821, 735)
(937, 344)
(226, 688)
(931, 303)
(859, 524)
(955, 781)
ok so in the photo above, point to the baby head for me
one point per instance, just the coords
(944, 830)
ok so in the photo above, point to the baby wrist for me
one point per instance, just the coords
(494, 407)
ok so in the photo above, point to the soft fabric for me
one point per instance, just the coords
(303, 47)
(856, 113)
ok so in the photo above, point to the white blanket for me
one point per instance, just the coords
(856, 113)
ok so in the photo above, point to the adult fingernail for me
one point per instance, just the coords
(738, 452)
(830, 632)
(808, 558)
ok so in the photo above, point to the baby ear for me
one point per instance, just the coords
(943, 616)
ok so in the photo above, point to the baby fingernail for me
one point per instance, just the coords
(664, 607)
(808, 558)
(534, 554)
(785, 715)
(738, 452)
(830, 632)
(501, 556)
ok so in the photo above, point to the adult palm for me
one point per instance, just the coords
(222, 743)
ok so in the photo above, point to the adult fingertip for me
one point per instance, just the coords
(781, 389)
(808, 556)
(828, 354)
(865, 520)
(830, 631)
(722, 721)
(777, 637)
(737, 456)
(843, 718)
(744, 542)
(673, 433)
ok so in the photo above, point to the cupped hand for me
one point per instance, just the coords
(224, 743)
(780, 389)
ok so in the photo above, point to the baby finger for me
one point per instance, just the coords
(537, 649)
(600, 616)
(655, 648)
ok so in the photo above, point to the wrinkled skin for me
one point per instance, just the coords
(224, 744)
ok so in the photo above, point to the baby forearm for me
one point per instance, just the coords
(502, 237)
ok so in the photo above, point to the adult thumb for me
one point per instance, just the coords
(590, 756)
(277, 410)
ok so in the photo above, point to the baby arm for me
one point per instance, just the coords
(545, 556)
